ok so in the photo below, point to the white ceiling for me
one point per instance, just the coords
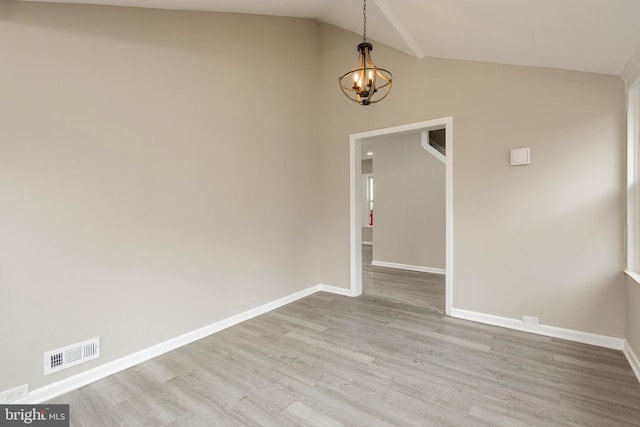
(599, 36)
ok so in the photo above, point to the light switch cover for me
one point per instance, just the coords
(520, 156)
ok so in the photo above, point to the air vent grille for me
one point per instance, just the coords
(90, 349)
(71, 355)
(56, 360)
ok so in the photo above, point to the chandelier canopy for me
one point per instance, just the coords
(365, 83)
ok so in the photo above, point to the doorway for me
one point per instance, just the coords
(356, 198)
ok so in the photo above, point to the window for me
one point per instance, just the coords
(367, 192)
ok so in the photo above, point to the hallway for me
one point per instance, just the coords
(409, 287)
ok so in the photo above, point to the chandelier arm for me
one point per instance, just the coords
(383, 77)
(384, 96)
(378, 100)
(347, 95)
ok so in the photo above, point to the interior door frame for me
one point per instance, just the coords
(355, 154)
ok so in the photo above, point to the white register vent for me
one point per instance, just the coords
(72, 355)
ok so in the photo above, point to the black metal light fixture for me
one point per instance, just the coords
(365, 83)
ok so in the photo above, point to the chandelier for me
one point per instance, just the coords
(365, 83)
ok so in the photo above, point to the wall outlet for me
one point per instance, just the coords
(530, 320)
(15, 394)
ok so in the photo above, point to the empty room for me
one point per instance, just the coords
(320, 213)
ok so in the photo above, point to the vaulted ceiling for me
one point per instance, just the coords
(600, 36)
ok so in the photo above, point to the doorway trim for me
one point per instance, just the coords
(355, 155)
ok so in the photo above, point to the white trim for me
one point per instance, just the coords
(366, 242)
(355, 215)
(76, 381)
(355, 169)
(633, 275)
(435, 153)
(550, 331)
(408, 267)
(448, 279)
(336, 290)
(632, 358)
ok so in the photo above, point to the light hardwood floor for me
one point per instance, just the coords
(329, 360)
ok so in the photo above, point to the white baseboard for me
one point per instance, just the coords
(68, 384)
(336, 290)
(633, 359)
(550, 331)
(408, 267)
(368, 243)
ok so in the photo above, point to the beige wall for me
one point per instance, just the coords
(410, 203)
(542, 240)
(633, 315)
(151, 184)
(367, 234)
(367, 166)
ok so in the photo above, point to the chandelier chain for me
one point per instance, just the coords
(364, 20)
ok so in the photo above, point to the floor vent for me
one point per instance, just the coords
(72, 355)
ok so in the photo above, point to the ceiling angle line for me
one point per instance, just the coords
(631, 71)
(400, 29)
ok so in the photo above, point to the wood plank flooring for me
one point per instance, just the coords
(422, 289)
(328, 360)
